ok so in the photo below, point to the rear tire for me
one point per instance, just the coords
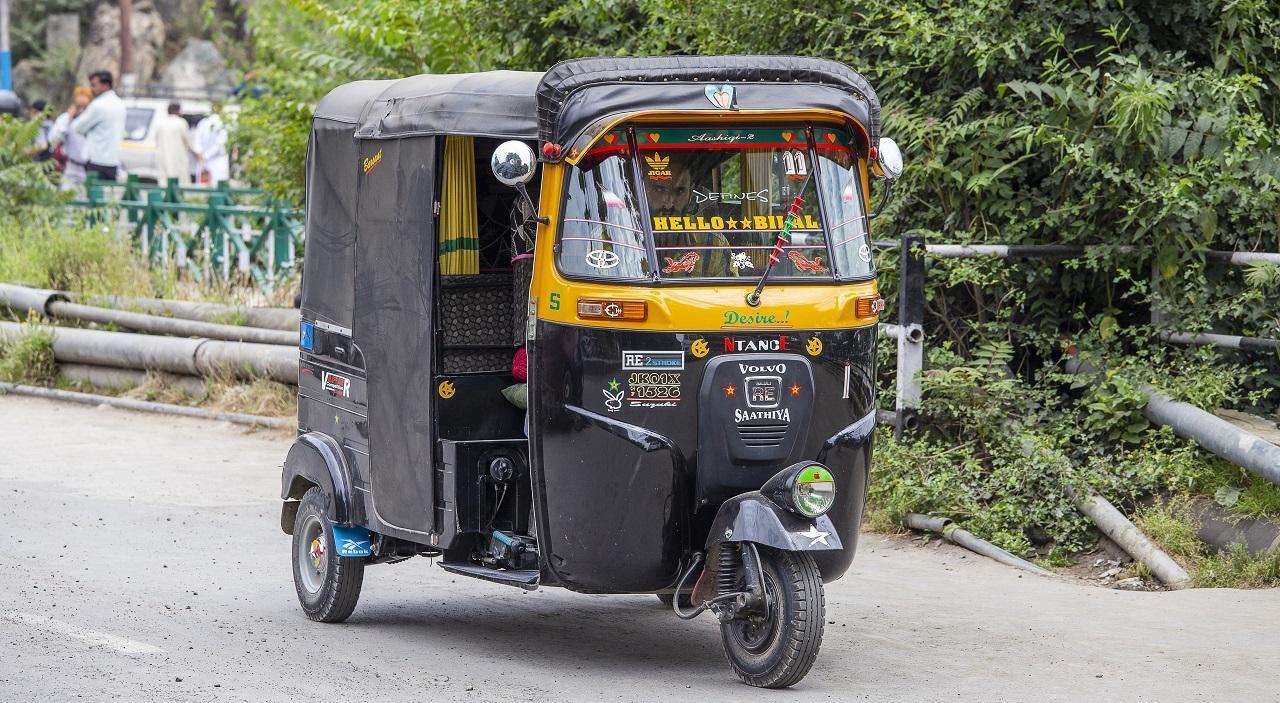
(328, 585)
(776, 650)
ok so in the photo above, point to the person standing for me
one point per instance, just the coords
(173, 146)
(42, 149)
(102, 125)
(210, 147)
(71, 141)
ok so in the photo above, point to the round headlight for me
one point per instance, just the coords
(814, 491)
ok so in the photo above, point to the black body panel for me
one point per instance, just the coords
(612, 509)
(393, 325)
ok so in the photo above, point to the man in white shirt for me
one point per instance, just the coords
(173, 146)
(102, 125)
(210, 146)
(73, 143)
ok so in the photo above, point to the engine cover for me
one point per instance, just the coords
(754, 410)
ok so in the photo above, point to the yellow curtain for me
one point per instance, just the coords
(756, 167)
(459, 228)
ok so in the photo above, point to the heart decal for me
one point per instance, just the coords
(720, 95)
(830, 137)
(653, 137)
(788, 136)
(610, 138)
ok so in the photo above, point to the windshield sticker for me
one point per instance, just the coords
(864, 253)
(647, 360)
(793, 162)
(740, 260)
(734, 318)
(699, 348)
(659, 167)
(602, 258)
(713, 138)
(777, 344)
(715, 223)
(802, 264)
(613, 396)
(684, 264)
(755, 196)
(721, 96)
(610, 137)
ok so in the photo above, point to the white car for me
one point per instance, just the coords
(138, 152)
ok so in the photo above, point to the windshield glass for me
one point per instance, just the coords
(714, 204)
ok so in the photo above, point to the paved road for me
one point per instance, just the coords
(142, 560)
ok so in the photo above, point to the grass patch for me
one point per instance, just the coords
(235, 316)
(28, 357)
(66, 253)
(260, 396)
(1172, 525)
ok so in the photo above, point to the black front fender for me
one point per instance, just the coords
(316, 459)
(750, 517)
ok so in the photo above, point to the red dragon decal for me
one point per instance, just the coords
(803, 264)
(684, 263)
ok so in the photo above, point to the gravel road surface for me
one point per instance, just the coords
(142, 560)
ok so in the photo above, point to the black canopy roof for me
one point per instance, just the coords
(559, 105)
(491, 104)
(574, 94)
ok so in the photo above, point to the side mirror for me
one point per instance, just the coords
(889, 159)
(513, 163)
(888, 165)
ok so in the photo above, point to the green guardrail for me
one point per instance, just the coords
(221, 231)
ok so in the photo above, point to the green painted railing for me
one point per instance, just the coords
(206, 232)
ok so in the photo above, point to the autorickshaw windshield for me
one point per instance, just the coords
(709, 203)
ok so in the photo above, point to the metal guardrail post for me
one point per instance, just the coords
(911, 338)
(151, 240)
(173, 191)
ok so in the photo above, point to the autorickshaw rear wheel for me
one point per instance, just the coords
(775, 648)
(328, 585)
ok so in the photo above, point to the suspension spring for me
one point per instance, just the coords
(727, 577)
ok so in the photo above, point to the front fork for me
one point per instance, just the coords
(739, 584)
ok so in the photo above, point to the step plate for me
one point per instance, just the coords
(527, 579)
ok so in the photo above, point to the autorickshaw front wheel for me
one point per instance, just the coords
(328, 585)
(775, 647)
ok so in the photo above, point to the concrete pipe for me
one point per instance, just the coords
(23, 299)
(970, 541)
(148, 406)
(1211, 432)
(155, 324)
(193, 357)
(267, 318)
(107, 377)
(1115, 525)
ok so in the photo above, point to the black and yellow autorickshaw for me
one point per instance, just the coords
(685, 262)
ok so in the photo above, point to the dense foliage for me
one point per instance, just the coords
(1148, 129)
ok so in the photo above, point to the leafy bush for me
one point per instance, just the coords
(67, 254)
